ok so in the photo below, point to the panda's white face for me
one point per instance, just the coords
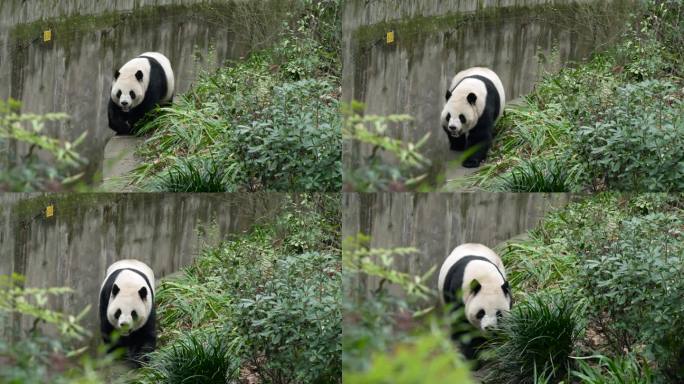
(127, 93)
(488, 302)
(130, 302)
(130, 84)
(458, 118)
(463, 107)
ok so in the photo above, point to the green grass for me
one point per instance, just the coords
(536, 340)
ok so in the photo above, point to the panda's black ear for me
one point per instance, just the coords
(506, 288)
(475, 287)
(448, 95)
(117, 74)
(115, 290)
(472, 98)
(143, 293)
(139, 75)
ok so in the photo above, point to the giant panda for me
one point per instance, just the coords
(138, 86)
(473, 276)
(475, 100)
(127, 309)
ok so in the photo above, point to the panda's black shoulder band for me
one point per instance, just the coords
(467, 259)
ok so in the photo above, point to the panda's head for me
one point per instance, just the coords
(463, 107)
(488, 299)
(130, 302)
(130, 84)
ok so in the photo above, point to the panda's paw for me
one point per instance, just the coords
(471, 163)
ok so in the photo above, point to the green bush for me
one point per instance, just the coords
(33, 172)
(393, 165)
(635, 144)
(536, 340)
(632, 279)
(41, 356)
(264, 305)
(430, 358)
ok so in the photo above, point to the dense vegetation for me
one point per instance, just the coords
(612, 123)
(598, 299)
(268, 122)
(263, 306)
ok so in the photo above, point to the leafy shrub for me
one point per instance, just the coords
(264, 305)
(393, 165)
(371, 321)
(634, 144)
(632, 277)
(430, 358)
(618, 370)
(536, 340)
(42, 356)
(296, 145)
(33, 172)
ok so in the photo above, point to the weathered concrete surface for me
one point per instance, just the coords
(119, 160)
(435, 223)
(435, 39)
(90, 231)
(73, 72)
(13, 12)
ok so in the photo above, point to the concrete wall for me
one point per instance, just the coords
(73, 72)
(434, 39)
(90, 231)
(435, 223)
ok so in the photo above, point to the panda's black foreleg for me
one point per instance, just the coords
(481, 138)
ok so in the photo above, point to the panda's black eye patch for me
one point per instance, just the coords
(134, 315)
(499, 314)
(480, 314)
(132, 95)
(118, 94)
(117, 313)
(462, 118)
(448, 117)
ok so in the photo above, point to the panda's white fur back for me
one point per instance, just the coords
(463, 250)
(168, 71)
(467, 84)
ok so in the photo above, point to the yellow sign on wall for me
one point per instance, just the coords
(390, 37)
(47, 35)
(50, 211)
